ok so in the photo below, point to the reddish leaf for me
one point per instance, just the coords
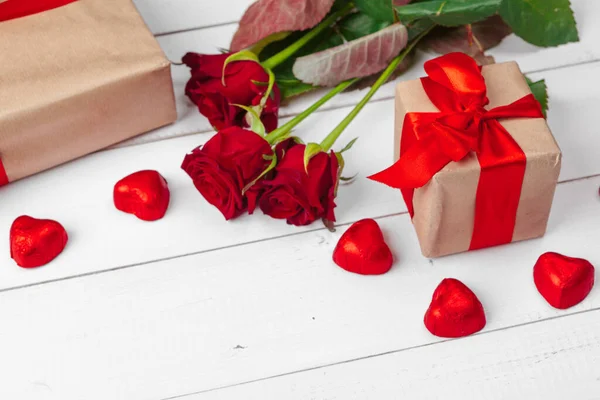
(266, 17)
(368, 81)
(485, 35)
(361, 57)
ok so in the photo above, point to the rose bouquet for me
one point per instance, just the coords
(285, 48)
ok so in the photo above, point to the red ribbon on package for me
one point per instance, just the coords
(13, 9)
(432, 140)
(3, 176)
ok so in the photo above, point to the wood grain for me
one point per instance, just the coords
(79, 194)
(193, 307)
(530, 59)
(165, 16)
(259, 310)
(557, 359)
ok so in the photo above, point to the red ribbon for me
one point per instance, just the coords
(12, 9)
(3, 176)
(431, 140)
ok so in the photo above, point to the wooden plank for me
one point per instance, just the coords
(529, 57)
(168, 16)
(164, 16)
(224, 317)
(79, 194)
(558, 359)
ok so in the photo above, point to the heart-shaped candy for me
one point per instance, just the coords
(362, 249)
(454, 311)
(144, 194)
(563, 281)
(36, 242)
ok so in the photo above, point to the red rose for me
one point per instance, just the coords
(230, 160)
(217, 101)
(297, 196)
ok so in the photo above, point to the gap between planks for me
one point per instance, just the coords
(128, 143)
(382, 354)
(572, 114)
(191, 122)
(186, 30)
(194, 253)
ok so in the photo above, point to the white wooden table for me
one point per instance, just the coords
(195, 308)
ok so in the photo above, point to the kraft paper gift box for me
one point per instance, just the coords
(444, 209)
(75, 79)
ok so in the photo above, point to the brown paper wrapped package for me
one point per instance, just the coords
(77, 79)
(445, 207)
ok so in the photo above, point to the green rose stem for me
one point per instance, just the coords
(286, 53)
(285, 129)
(337, 131)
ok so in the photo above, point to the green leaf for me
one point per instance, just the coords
(265, 17)
(253, 119)
(416, 28)
(484, 35)
(348, 179)
(347, 61)
(541, 22)
(540, 92)
(311, 150)
(296, 88)
(448, 12)
(349, 145)
(369, 81)
(380, 10)
(360, 24)
(288, 84)
(259, 47)
(354, 26)
(284, 72)
(275, 47)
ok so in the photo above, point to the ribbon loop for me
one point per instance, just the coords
(455, 83)
(432, 140)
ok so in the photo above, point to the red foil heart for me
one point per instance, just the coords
(563, 281)
(36, 242)
(144, 194)
(454, 311)
(362, 249)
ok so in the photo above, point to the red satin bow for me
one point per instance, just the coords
(12, 9)
(431, 140)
